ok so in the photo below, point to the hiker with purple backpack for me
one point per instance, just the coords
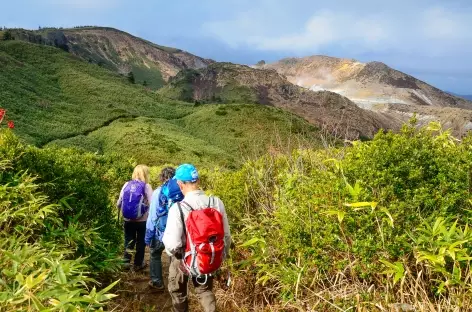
(134, 200)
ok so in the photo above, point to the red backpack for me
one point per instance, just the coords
(204, 232)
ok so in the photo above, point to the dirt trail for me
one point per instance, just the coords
(135, 294)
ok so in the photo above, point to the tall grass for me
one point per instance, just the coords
(377, 226)
(40, 268)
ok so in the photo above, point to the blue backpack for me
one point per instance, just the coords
(170, 193)
(132, 203)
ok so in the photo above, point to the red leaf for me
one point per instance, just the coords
(11, 124)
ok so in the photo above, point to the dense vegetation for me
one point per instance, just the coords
(57, 227)
(380, 224)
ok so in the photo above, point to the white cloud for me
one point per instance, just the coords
(410, 31)
(438, 23)
(328, 28)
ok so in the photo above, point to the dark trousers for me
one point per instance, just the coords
(134, 237)
(156, 262)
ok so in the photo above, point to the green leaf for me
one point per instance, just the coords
(20, 278)
(361, 205)
(354, 191)
(396, 269)
(29, 281)
(340, 214)
(251, 242)
(61, 275)
(37, 303)
(433, 259)
(263, 280)
(108, 288)
(385, 210)
(93, 292)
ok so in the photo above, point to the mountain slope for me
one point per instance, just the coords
(151, 64)
(54, 97)
(230, 83)
(365, 84)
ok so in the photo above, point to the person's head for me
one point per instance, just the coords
(166, 174)
(141, 173)
(187, 178)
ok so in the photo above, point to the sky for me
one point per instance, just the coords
(429, 39)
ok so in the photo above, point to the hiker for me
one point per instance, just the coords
(134, 200)
(162, 198)
(198, 223)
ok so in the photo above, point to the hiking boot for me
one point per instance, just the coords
(156, 286)
(140, 267)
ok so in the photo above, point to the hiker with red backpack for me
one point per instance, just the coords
(197, 237)
(134, 200)
(162, 199)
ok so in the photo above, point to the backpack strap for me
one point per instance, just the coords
(211, 200)
(183, 226)
(179, 204)
(181, 216)
(141, 202)
(188, 205)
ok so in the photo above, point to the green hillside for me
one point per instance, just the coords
(56, 98)
(211, 135)
(52, 95)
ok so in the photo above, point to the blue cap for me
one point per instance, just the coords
(186, 173)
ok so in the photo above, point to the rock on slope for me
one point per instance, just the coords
(365, 84)
(118, 51)
(226, 83)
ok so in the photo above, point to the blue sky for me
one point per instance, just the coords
(430, 39)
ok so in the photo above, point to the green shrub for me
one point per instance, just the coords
(351, 215)
(85, 185)
(35, 274)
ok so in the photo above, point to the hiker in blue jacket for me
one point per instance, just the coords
(162, 198)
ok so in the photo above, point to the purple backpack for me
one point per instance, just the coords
(132, 204)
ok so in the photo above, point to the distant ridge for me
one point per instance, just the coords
(366, 84)
(150, 64)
